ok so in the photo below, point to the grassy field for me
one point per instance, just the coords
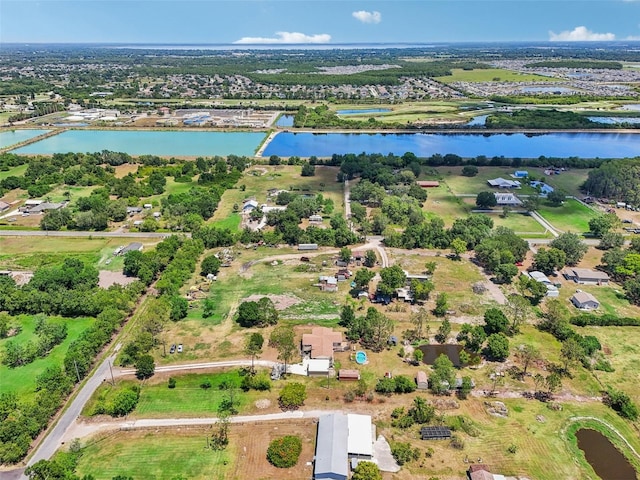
(153, 456)
(156, 400)
(21, 380)
(33, 252)
(13, 172)
(572, 216)
(491, 75)
(258, 180)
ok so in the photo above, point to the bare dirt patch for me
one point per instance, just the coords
(107, 278)
(281, 302)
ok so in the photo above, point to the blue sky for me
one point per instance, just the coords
(316, 21)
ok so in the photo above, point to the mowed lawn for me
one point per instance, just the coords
(14, 172)
(21, 380)
(155, 455)
(187, 399)
(572, 216)
(491, 75)
(258, 180)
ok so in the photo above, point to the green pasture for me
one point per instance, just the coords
(571, 216)
(21, 380)
(154, 456)
(13, 172)
(491, 75)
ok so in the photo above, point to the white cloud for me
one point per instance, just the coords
(633, 38)
(367, 17)
(287, 37)
(580, 34)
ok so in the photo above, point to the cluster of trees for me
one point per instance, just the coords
(546, 119)
(120, 403)
(371, 330)
(499, 251)
(286, 230)
(397, 384)
(69, 289)
(257, 314)
(616, 180)
(623, 264)
(292, 396)
(49, 334)
(575, 63)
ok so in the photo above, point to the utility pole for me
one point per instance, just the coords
(113, 382)
(77, 373)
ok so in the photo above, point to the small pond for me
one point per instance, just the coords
(605, 459)
(363, 111)
(479, 120)
(431, 352)
(285, 121)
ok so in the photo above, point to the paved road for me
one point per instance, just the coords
(52, 441)
(71, 234)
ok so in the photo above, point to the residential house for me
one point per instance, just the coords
(249, 206)
(328, 284)
(586, 276)
(322, 342)
(585, 301)
(504, 183)
(132, 247)
(507, 199)
(45, 206)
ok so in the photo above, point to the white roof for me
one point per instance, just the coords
(539, 277)
(360, 440)
(317, 364)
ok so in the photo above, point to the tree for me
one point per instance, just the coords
(472, 336)
(257, 314)
(553, 382)
(363, 277)
(418, 355)
(292, 396)
(370, 258)
(458, 247)
(621, 403)
(419, 321)
(283, 339)
(145, 367)
(442, 306)
(375, 330)
(404, 452)
(498, 347)
(308, 170)
(571, 353)
(486, 200)
(253, 347)
(556, 198)
(632, 290)
(527, 354)
(465, 388)
(534, 291)
(443, 331)
(469, 171)
(391, 278)
(210, 265)
(531, 203)
(611, 240)
(345, 254)
(421, 289)
(366, 471)
(284, 452)
(268, 312)
(549, 260)
(602, 224)
(495, 321)
(430, 268)
(443, 375)
(572, 246)
(505, 272)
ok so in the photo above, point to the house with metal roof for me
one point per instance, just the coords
(586, 276)
(585, 301)
(504, 183)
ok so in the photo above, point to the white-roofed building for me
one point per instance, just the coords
(504, 183)
(507, 199)
(360, 439)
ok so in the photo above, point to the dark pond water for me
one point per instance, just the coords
(605, 459)
(431, 352)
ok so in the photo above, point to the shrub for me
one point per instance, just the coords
(293, 396)
(404, 453)
(621, 403)
(124, 402)
(259, 382)
(172, 382)
(284, 452)
(206, 385)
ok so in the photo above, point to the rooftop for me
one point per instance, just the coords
(321, 340)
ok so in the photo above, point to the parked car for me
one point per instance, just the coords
(180, 348)
(173, 348)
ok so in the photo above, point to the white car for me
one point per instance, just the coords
(180, 348)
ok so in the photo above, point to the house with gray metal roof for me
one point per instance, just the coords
(332, 460)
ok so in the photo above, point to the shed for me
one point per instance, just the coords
(347, 375)
(132, 247)
(331, 460)
(315, 219)
(422, 381)
(317, 366)
(586, 276)
(428, 183)
(585, 301)
(307, 246)
(520, 174)
(4, 206)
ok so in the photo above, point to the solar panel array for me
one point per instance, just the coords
(435, 433)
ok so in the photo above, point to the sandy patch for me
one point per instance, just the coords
(281, 302)
(107, 278)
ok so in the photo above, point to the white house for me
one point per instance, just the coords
(504, 183)
(585, 301)
(507, 199)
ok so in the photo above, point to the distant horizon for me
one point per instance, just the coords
(315, 22)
